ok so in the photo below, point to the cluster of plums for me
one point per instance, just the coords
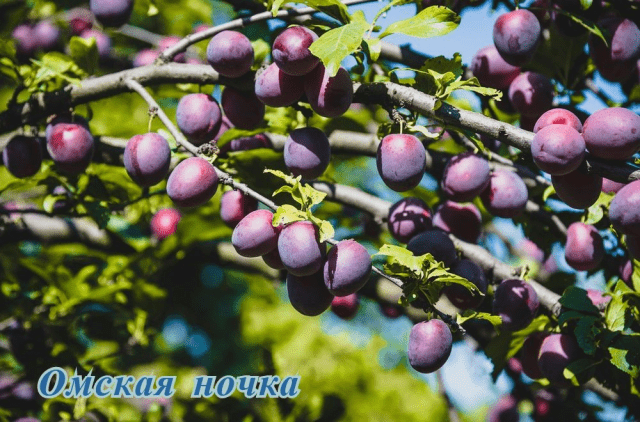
(517, 34)
(315, 276)
(294, 73)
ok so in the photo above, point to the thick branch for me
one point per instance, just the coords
(403, 96)
(44, 104)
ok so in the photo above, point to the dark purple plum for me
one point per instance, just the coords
(626, 272)
(435, 242)
(529, 249)
(612, 133)
(64, 118)
(192, 183)
(308, 294)
(147, 158)
(165, 222)
(506, 196)
(291, 51)
(103, 43)
(328, 96)
(230, 53)
(546, 406)
(465, 177)
(273, 260)
(558, 149)
(464, 221)
(112, 13)
(47, 35)
(347, 268)
(459, 295)
(505, 410)
(556, 353)
(234, 206)
(584, 249)
(199, 117)
(70, 146)
(300, 249)
(633, 246)
(307, 152)
(558, 116)
(255, 235)
(616, 61)
(145, 57)
(516, 35)
(529, 355)
(577, 189)
(225, 125)
(491, 69)
(277, 89)
(390, 311)
(598, 299)
(531, 94)
(345, 307)
(401, 161)
(407, 218)
(247, 143)
(624, 211)
(168, 42)
(243, 109)
(80, 20)
(25, 40)
(528, 122)
(609, 186)
(429, 345)
(516, 302)
(22, 156)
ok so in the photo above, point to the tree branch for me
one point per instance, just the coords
(181, 46)
(412, 99)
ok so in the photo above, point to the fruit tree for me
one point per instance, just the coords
(251, 189)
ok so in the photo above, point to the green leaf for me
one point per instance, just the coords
(286, 214)
(588, 26)
(635, 93)
(474, 86)
(580, 371)
(153, 8)
(438, 72)
(635, 277)
(616, 313)
(595, 213)
(505, 345)
(625, 354)
(385, 8)
(333, 8)
(325, 229)
(568, 315)
(333, 46)
(99, 213)
(576, 298)
(585, 4)
(495, 320)
(550, 190)
(374, 47)
(85, 53)
(430, 22)
(586, 331)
